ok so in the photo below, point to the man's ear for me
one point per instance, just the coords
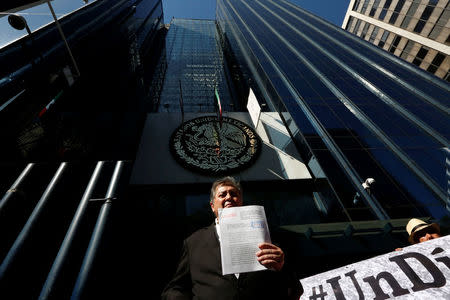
(212, 205)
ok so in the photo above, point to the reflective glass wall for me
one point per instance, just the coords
(195, 67)
(359, 111)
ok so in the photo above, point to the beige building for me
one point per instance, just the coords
(416, 30)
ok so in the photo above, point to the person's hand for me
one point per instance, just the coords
(270, 256)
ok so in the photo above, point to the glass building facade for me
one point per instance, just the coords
(195, 67)
(56, 126)
(360, 112)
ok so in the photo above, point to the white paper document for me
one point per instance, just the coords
(241, 230)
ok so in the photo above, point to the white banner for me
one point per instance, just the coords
(420, 271)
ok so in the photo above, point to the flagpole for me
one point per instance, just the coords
(216, 94)
(219, 116)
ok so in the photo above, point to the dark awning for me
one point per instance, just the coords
(17, 5)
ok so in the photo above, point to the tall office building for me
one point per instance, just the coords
(195, 68)
(357, 111)
(417, 31)
(59, 127)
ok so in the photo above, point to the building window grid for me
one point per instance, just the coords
(195, 62)
(355, 5)
(407, 49)
(374, 34)
(374, 8)
(383, 39)
(441, 22)
(358, 23)
(425, 16)
(436, 63)
(364, 6)
(420, 56)
(409, 15)
(384, 10)
(364, 31)
(396, 12)
(395, 43)
(349, 23)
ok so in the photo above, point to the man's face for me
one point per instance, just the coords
(225, 196)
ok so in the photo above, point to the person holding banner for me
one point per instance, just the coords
(420, 231)
(199, 272)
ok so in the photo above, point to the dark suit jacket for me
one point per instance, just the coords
(199, 275)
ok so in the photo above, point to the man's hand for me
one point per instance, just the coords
(270, 256)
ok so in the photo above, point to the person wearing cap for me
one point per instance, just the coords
(420, 231)
(199, 272)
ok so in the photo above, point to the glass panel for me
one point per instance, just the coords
(407, 49)
(374, 34)
(420, 56)
(409, 15)
(355, 5)
(395, 44)
(441, 23)
(438, 59)
(349, 23)
(358, 23)
(364, 7)
(425, 16)
(397, 10)
(385, 9)
(374, 8)
(364, 31)
(383, 39)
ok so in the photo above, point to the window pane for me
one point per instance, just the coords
(364, 7)
(397, 9)
(358, 23)
(420, 56)
(385, 9)
(355, 6)
(411, 11)
(395, 44)
(442, 21)
(374, 34)
(374, 8)
(424, 18)
(349, 23)
(383, 38)
(407, 49)
(364, 31)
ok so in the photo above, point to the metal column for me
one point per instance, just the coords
(71, 232)
(94, 243)
(32, 220)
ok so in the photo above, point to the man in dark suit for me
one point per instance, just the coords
(199, 273)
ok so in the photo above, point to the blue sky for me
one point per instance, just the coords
(331, 10)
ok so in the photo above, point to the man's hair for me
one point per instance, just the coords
(228, 180)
